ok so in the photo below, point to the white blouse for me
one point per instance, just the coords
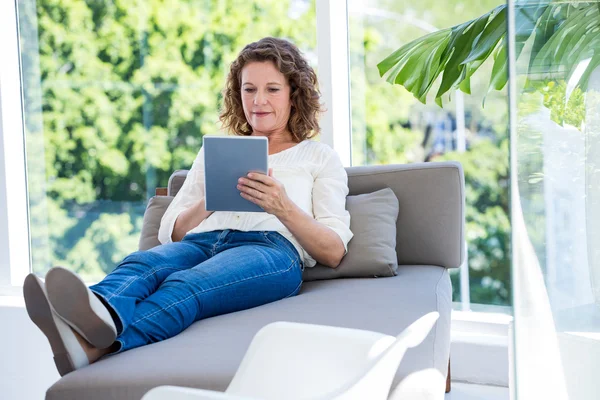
(314, 179)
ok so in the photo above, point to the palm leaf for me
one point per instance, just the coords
(500, 68)
(573, 41)
(489, 38)
(424, 55)
(594, 62)
(400, 56)
(562, 35)
(459, 48)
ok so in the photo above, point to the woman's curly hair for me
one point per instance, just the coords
(304, 88)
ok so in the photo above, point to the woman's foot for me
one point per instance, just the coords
(93, 353)
(80, 308)
(69, 355)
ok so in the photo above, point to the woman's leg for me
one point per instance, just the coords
(142, 272)
(250, 269)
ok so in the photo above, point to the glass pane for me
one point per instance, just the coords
(556, 199)
(389, 125)
(118, 95)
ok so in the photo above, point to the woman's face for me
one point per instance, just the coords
(266, 98)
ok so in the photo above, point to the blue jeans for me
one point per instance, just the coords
(156, 294)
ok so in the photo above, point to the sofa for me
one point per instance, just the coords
(429, 241)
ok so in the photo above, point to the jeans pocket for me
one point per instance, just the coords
(268, 239)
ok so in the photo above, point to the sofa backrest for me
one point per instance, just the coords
(431, 220)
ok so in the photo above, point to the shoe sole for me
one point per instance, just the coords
(70, 298)
(40, 312)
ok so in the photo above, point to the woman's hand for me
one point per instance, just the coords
(321, 242)
(266, 192)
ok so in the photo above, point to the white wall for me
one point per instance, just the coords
(26, 365)
(4, 259)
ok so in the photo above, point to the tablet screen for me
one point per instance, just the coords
(226, 159)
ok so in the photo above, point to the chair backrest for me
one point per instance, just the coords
(293, 361)
(375, 380)
(303, 361)
(431, 221)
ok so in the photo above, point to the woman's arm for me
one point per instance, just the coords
(189, 219)
(187, 207)
(322, 243)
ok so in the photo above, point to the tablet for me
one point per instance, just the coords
(226, 159)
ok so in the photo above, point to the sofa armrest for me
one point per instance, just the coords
(176, 181)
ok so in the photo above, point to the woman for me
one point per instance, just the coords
(215, 263)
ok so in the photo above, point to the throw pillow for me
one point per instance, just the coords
(156, 208)
(372, 250)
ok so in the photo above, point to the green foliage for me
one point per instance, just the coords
(487, 223)
(118, 95)
(562, 111)
(455, 53)
(561, 35)
(103, 245)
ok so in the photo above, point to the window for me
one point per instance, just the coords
(389, 125)
(556, 197)
(117, 95)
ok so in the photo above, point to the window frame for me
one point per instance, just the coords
(334, 76)
(15, 260)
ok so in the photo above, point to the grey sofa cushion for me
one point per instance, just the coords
(155, 209)
(208, 353)
(372, 250)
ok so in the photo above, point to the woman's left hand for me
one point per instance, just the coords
(266, 192)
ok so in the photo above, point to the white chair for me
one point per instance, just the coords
(312, 362)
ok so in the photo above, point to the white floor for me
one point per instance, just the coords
(467, 391)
